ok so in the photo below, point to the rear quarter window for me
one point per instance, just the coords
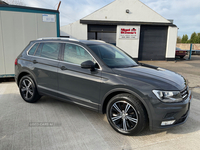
(33, 49)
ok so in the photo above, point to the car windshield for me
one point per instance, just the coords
(112, 56)
(178, 48)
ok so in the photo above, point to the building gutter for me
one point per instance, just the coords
(100, 22)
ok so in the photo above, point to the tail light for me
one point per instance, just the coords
(16, 61)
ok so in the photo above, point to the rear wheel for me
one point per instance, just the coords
(126, 114)
(28, 89)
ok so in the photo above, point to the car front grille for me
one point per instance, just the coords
(185, 93)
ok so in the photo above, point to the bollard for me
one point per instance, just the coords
(190, 52)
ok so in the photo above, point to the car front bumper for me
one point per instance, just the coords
(166, 112)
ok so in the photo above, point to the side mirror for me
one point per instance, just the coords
(88, 65)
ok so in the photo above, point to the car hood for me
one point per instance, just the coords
(156, 76)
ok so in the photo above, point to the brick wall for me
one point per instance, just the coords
(184, 46)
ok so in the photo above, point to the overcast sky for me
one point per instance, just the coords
(186, 13)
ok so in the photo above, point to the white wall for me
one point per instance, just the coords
(116, 11)
(2, 66)
(18, 29)
(171, 42)
(131, 46)
(75, 30)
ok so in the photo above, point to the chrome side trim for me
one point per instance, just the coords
(68, 95)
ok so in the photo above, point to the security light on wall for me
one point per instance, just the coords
(127, 11)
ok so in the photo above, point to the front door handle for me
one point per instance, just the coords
(35, 61)
(63, 68)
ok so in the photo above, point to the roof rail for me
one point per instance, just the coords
(97, 40)
(57, 38)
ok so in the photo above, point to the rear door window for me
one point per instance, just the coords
(48, 50)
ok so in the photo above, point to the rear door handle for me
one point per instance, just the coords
(35, 61)
(63, 68)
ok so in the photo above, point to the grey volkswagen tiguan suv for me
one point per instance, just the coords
(102, 77)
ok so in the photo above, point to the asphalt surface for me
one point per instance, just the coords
(52, 124)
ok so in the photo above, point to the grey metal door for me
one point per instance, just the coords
(153, 41)
(105, 33)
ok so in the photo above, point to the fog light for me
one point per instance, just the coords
(165, 123)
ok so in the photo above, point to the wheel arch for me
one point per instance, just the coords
(23, 73)
(117, 91)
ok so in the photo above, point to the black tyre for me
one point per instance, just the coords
(126, 114)
(28, 89)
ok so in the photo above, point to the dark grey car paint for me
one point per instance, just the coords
(45, 72)
(75, 84)
(172, 80)
(90, 88)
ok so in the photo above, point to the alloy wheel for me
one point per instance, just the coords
(123, 115)
(27, 89)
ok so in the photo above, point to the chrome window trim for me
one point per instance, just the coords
(61, 42)
(70, 63)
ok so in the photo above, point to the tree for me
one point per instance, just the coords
(184, 38)
(178, 39)
(194, 38)
(198, 37)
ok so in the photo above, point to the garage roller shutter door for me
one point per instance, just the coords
(153, 41)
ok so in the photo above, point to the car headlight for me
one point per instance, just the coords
(168, 96)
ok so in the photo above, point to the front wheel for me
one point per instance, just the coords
(126, 114)
(28, 89)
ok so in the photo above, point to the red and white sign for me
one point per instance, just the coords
(128, 33)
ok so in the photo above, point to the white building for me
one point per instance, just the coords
(130, 25)
(18, 26)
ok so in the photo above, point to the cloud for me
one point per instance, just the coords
(70, 10)
(185, 13)
(75, 10)
(50, 4)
